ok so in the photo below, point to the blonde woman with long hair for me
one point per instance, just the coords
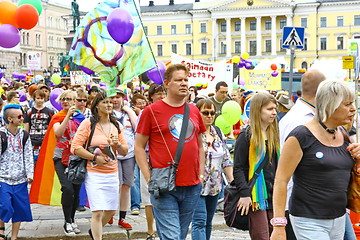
(258, 143)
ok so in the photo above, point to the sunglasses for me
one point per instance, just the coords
(66, 99)
(81, 100)
(207, 113)
(19, 117)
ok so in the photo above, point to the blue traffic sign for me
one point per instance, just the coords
(293, 36)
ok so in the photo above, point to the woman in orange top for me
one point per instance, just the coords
(102, 182)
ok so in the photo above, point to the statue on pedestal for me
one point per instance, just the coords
(75, 14)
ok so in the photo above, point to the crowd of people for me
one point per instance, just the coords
(299, 141)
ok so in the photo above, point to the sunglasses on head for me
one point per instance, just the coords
(81, 100)
(66, 99)
(19, 117)
(207, 113)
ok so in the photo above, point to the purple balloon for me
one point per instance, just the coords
(102, 84)
(18, 75)
(153, 73)
(1, 74)
(248, 65)
(120, 25)
(241, 65)
(9, 36)
(86, 70)
(53, 96)
(274, 73)
(22, 96)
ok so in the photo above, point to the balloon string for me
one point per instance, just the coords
(147, 39)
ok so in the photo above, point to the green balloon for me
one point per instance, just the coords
(56, 79)
(235, 86)
(223, 124)
(231, 111)
(36, 3)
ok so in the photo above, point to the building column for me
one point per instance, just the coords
(258, 36)
(243, 34)
(214, 42)
(273, 35)
(228, 37)
(289, 20)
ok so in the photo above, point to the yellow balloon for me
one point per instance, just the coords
(236, 59)
(245, 55)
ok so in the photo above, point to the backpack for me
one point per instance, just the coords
(4, 141)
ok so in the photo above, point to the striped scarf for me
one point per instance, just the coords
(259, 191)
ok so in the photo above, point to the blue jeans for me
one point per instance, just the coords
(324, 229)
(173, 211)
(202, 220)
(135, 189)
(349, 230)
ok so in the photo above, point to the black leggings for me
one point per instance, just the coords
(70, 192)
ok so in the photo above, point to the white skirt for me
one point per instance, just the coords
(102, 190)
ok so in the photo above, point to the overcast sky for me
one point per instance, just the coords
(86, 5)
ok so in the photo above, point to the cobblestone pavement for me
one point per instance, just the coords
(228, 233)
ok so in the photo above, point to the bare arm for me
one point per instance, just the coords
(290, 157)
(140, 154)
(59, 128)
(229, 173)
(132, 115)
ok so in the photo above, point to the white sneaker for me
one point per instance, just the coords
(68, 230)
(75, 228)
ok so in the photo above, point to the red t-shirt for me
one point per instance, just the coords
(170, 120)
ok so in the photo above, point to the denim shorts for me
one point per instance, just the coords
(15, 203)
(324, 229)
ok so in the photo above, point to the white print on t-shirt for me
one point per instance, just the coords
(175, 124)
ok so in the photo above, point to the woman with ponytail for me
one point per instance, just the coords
(257, 145)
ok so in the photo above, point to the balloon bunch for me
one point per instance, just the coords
(153, 73)
(230, 115)
(274, 68)
(243, 61)
(23, 16)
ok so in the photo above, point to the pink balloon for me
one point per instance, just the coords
(53, 96)
(242, 81)
(9, 36)
(274, 73)
(120, 25)
(153, 73)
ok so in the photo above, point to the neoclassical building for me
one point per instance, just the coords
(218, 30)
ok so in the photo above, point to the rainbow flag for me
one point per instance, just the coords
(94, 48)
(46, 186)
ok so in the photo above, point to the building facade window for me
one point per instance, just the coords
(159, 30)
(188, 49)
(252, 25)
(173, 29)
(24, 59)
(203, 48)
(357, 20)
(304, 22)
(304, 65)
(38, 40)
(187, 28)
(203, 27)
(323, 22)
(340, 43)
(267, 45)
(267, 24)
(222, 48)
(174, 48)
(223, 27)
(237, 26)
(340, 21)
(252, 48)
(59, 42)
(159, 50)
(282, 23)
(237, 47)
(146, 30)
(27, 38)
(322, 43)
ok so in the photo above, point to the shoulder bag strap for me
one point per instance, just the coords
(256, 174)
(93, 125)
(181, 142)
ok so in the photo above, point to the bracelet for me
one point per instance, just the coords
(278, 221)
(201, 176)
(93, 161)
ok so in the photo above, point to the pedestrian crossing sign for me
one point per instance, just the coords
(293, 36)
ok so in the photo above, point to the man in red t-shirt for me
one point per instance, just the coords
(160, 125)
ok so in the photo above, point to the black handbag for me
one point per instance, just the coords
(162, 180)
(76, 170)
(232, 216)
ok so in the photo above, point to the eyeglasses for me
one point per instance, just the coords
(66, 99)
(207, 113)
(19, 117)
(81, 100)
(141, 104)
